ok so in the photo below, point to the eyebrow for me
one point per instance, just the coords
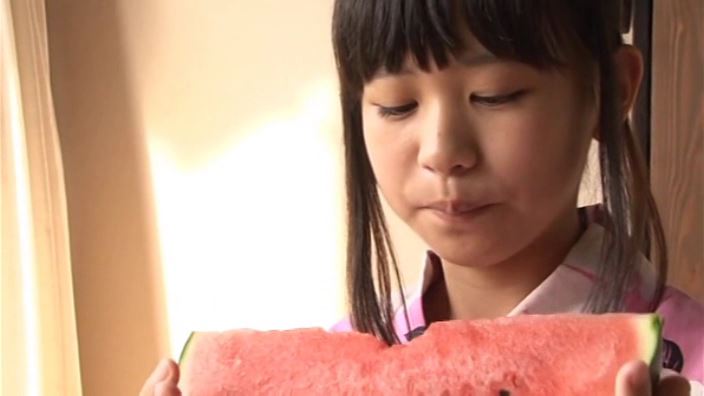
(466, 59)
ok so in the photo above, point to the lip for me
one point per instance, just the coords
(455, 207)
(457, 212)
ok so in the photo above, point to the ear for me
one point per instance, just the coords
(628, 67)
(628, 63)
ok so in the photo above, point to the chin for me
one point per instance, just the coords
(474, 249)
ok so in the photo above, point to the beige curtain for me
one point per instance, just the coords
(39, 348)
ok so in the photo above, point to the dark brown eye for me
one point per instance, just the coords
(492, 101)
(398, 111)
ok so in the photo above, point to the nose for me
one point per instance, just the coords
(448, 145)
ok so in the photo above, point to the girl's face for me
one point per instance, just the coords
(482, 158)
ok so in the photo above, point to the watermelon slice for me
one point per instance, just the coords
(567, 354)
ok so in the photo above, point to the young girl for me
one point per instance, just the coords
(473, 118)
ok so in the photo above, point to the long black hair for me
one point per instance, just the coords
(547, 34)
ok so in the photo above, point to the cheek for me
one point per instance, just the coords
(547, 150)
(391, 156)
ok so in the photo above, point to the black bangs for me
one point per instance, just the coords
(369, 35)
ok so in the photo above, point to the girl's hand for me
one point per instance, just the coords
(633, 379)
(163, 381)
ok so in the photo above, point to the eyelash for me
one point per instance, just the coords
(398, 111)
(488, 101)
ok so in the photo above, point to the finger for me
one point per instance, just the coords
(174, 372)
(162, 371)
(633, 379)
(665, 373)
(672, 384)
(166, 388)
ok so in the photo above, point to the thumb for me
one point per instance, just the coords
(633, 379)
(173, 373)
(166, 372)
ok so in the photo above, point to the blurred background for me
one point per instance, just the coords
(171, 166)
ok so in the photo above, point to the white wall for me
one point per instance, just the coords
(238, 101)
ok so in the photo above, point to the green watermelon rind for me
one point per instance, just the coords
(185, 352)
(651, 343)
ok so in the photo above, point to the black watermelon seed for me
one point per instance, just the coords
(417, 332)
(504, 392)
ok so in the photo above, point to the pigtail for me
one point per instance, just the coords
(632, 220)
(369, 288)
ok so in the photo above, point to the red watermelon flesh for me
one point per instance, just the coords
(568, 354)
